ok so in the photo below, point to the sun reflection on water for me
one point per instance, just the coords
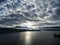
(28, 38)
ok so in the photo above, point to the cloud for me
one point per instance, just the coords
(41, 12)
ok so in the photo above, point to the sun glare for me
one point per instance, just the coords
(29, 25)
(27, 37)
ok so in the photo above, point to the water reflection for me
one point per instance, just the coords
(28, 36)
(34, 38)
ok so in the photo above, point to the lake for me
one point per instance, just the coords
(30, 38)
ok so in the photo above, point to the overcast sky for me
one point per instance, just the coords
(29, 13)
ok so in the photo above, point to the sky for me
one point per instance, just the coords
(30, 14)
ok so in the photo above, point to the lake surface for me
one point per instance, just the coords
(30, 38)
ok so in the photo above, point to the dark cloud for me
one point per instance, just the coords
(56, 4)
(12, 19)
(2, 1)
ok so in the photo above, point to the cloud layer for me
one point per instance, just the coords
(35, 13)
